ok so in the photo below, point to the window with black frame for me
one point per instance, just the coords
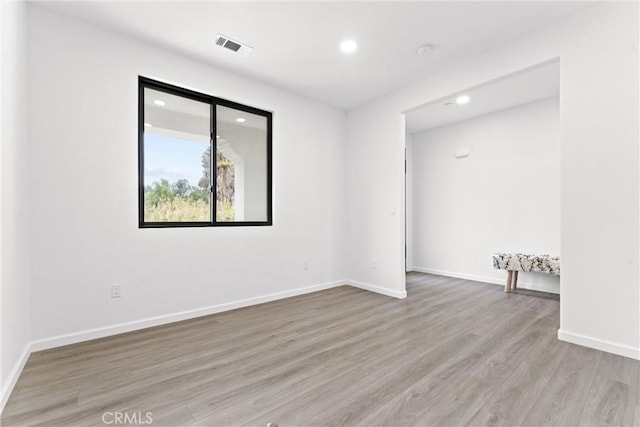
(181, 184)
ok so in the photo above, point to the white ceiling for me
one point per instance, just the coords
(180, 107)
(296, 43)
(526, 86)
(189, 119)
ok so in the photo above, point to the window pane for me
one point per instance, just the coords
(241, 176)
(176, 158)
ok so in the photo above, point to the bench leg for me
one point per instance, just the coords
(507, 287)
(514, 286)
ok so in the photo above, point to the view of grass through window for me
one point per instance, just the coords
(175, 191)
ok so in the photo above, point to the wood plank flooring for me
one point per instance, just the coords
(453, 353)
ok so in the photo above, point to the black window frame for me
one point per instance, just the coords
(144, 83)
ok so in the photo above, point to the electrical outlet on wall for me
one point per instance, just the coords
(116, 290)
(374, 264)
(305, 265)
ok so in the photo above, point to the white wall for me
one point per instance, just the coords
(598, 51)
(409, 205)
(250, 197)
(375, 187)
(504, 197)
(83, 216)
(14, 291)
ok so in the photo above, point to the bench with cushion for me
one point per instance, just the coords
(514, 263)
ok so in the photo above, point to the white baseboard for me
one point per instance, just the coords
(377, 289)
(521, 283)
(598, 344)
(106, 331)
(13, 376)
(90, 334)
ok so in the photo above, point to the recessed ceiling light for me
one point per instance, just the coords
(159, 102)
(348, 46)
(462, 99)
(241, 120)
(147, 125)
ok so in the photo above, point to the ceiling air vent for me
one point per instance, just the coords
(233, 45)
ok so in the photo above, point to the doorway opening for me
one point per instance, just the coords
(483, 177)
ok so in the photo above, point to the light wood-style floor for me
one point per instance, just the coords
(453, 353)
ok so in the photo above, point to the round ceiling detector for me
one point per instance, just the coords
(425, 49)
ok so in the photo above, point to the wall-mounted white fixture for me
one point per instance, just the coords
(348, 46)
(159, 102)
(241, 120)
(147, 125)
(235, 46)
(463, 99)
(425, 49)
(463, 152)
